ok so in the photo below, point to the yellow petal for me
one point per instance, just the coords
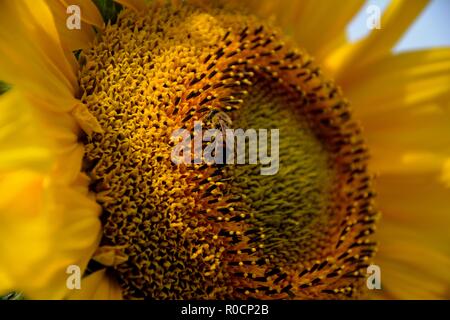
(48, 220)
(318, 26)
(89, 11)
(97, 286)
(86, 120)
(397, 18)
(414, 251)
(32, 57)
(110, 255)
(74, 39)
(37, 139)
(407, 141)
(21, 141)
(136, 5)
(402, 102)
(44, 228)
(419, 202)
(445, 177)
(283, 12)
(411, 268)
(30, 25)
(400, 81)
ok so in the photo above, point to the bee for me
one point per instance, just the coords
(220, 120)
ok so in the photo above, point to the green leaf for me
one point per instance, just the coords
(4, 87)
(13, 296)
(108, 9)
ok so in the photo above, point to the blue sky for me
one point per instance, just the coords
(431, 29)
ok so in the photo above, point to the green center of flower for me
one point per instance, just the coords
(223, 231)
(289, 206)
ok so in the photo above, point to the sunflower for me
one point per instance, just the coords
(87, 180)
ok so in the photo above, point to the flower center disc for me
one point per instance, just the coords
(223, 231)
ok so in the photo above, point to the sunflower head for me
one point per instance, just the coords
(96, 167)
(218, 231)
